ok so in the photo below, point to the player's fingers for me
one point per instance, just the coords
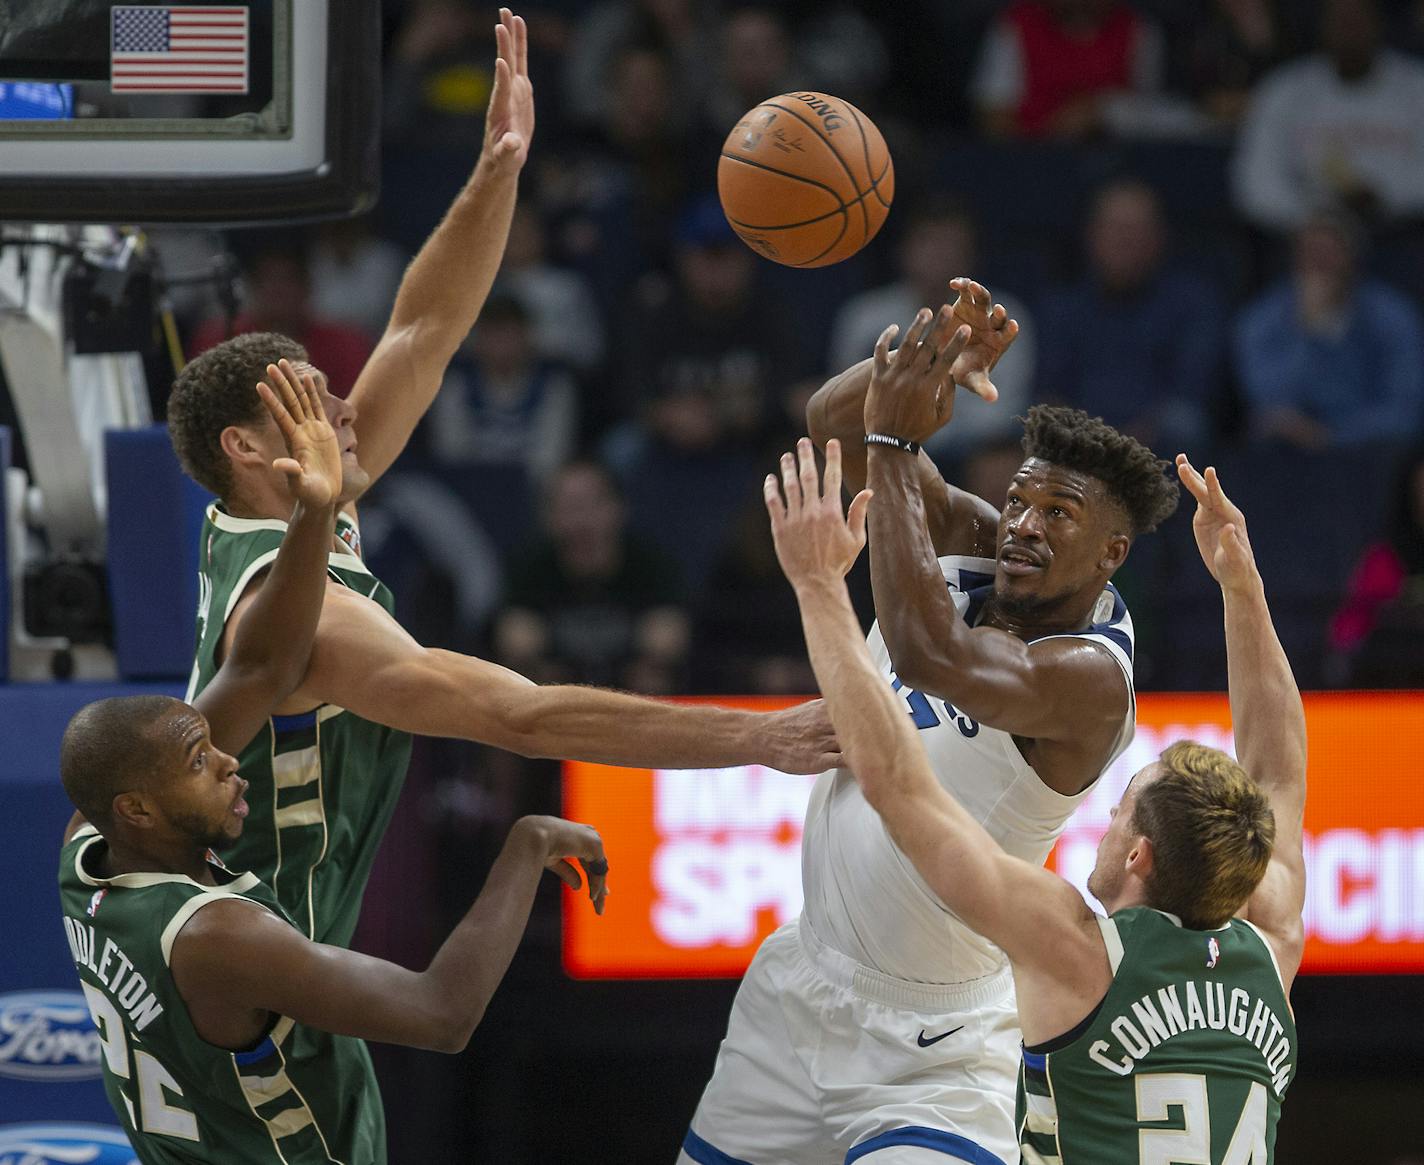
(566, 874)
(503, 39)
(1213, 485)
(942, 331)
(998, 316)
(280, 378)
(775, 507)
(521, 46)
(316, 411)
(979, 294)
(806, 465)
(290, 467)
(980, 385)
(284, 420)
(832, 482)
(914, 337)
(791, 484)
(855, 517)
(954, 344)
(1196, 485)
(882, 346)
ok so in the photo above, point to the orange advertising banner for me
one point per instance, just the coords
(706, 863)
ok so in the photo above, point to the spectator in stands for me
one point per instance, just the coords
(1224, 49)
(438, 76)
(1051, 68)
(563, 313)
(614, 193)
(754, 62)
(278, 297)
(589, 602)
(1135, 342)
(702, 368)
(683, 31)
(501, 405)
(1341, 128)
(706, 360)
(355, 274)
(939, 244)
(1327, 357)
(1378, 633)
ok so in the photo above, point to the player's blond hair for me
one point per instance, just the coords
(1211, 830)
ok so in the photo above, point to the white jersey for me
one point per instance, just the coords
(863, 896)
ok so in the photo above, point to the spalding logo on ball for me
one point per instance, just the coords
(805, 179)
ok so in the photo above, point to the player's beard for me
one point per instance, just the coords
(206, 834)
(1023, 609)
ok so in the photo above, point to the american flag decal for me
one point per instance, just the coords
(187, 49)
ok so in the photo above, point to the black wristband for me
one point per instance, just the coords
(910, 447)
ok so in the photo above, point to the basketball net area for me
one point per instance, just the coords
(111, 114)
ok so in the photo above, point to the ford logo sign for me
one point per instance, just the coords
(64, 1144)
(47, 1035)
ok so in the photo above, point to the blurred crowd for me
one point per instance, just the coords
(1207, 215)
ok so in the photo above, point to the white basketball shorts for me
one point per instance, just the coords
(827, 1061)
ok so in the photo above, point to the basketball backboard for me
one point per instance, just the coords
(229, 113)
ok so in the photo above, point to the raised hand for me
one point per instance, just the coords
(814, 541)
(509, 121)
(563, 840)
(313, 469)
(991, 333)
(1220, 528)
(911, 390)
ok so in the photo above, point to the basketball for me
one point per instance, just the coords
(805, 179)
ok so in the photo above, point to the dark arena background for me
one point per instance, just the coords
(1207, 217)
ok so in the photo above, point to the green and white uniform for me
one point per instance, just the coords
(324, 784)
(299, 1096)
(1185, 1061)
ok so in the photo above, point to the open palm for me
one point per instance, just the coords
(509, 122)
(313, 467)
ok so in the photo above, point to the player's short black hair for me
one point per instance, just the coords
(110, 748)
(218, 389)
(1135, 477)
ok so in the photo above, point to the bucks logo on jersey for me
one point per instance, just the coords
(1186, 1060)
(323, 784)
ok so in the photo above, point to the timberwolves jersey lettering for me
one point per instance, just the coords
(863, 896)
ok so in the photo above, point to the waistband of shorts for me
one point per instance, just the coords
(878, 987)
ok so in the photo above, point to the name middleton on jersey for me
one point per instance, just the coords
(128, 989)
(1198, 1006)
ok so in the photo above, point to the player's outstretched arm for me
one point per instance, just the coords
(447, 283)
(1039, 920)
(366, 662)
(271, 649)
(1064, 690)
(1266, 711)
(236, 956)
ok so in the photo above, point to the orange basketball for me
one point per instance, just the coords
(805, 179)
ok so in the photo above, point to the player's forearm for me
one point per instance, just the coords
(912, 604)
(470, 965)
(274, 639)
(1266, 711)
(447, 283)
(837, 408)
(451, 695)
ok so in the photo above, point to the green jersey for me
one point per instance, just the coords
(1184, 1062)
(298, 1096)
(324, 784)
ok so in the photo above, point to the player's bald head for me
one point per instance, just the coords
(118, 745)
